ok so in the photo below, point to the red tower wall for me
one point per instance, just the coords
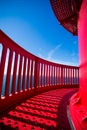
(78, 103)
(82, 36)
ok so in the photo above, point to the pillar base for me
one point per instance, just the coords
(78, 113)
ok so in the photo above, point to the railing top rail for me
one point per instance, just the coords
(23, 74)
(9, 43)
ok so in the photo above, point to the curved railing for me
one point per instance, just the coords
(23, 74)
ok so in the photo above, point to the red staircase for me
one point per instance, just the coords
(27, 76)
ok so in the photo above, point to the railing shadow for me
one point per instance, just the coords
(47, 111)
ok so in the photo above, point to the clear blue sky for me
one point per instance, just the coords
(32, 24)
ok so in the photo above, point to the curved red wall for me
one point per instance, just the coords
(82, 36)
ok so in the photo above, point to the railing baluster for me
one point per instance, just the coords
(40, 76)
(58, 80)
(64, 75)
(36, 76)
(14, 73)
(68, 76)
(31, 74)
(61, 75)
(75, 75)
(27, 77)
(2, 66)
(53, 79)
(54, 76)
(44, 74)
(58, 75)
(78, 76)
(47, 75)
(8, 74)
(51, 74)
(41, 73)
(24, 74)
(19, 75)
(71, 77)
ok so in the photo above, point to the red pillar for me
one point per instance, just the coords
(78, 103)
(82, 36)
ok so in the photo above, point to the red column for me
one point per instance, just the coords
(82, 36)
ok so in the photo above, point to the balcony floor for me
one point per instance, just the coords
(46, 111)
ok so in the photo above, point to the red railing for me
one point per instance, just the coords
(23, 74)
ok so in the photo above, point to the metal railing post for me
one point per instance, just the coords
(36, 74)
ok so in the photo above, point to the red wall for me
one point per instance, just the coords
(82, 36)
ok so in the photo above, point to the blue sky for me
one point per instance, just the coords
(32, 24)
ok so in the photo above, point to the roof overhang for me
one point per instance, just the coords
(67, 12)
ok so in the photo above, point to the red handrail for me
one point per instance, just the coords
(31, 74)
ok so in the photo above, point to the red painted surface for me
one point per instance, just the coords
(46, 111)
(78, 104)
(82, 35)
(34, 74)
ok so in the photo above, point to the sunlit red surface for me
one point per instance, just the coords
(78, 104)
(32, 76)
(47, 111)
